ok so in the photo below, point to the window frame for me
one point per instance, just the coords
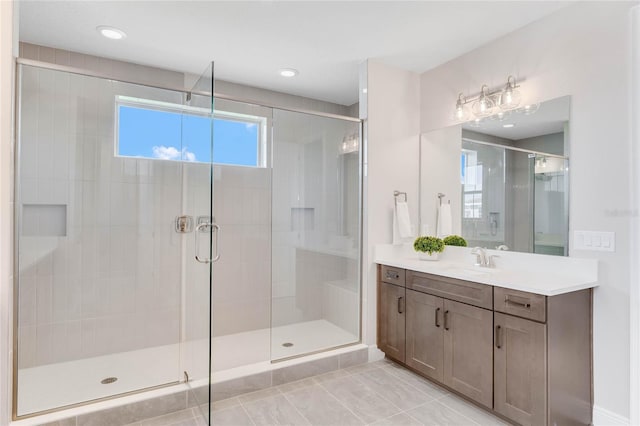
(170, 107)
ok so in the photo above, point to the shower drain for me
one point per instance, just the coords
(287, 345)
(108, 380)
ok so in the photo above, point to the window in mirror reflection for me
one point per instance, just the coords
(471, 185)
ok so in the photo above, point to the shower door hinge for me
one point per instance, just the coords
(186, 376)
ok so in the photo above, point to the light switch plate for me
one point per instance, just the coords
(594, 240)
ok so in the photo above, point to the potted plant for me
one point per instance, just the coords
(429, 247)
(455, 240)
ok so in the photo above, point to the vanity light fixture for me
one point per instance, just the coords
(505, 100)
(483, 106)
(461, 114)
(111, 32)
(510, 96)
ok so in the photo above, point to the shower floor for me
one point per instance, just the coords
(57, 385)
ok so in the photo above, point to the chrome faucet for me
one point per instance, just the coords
(482, 259)
(481, 256)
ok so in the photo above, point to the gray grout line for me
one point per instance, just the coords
(383, 397)
(296, 408)
(340, 402)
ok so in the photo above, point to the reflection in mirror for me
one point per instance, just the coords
(505, 177)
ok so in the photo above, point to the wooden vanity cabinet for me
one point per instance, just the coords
(542, 357)
(468, 351)
(525, 356)
(391, 312)
(520, 369)
(425, 334)
(449, 341)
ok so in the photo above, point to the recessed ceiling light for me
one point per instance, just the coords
(288, 72)
(508, 126)
(111, 32)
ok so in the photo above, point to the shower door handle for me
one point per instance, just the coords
(215, 228)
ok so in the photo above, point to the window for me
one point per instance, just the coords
(471, 185)
(166, 131)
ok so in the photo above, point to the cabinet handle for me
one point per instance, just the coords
(400, 304)
(446, 320)
(393, 275)
(513, 302)
(498, 337)
(437, 310)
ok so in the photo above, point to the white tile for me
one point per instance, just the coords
(44, 344)
(88, 332)
(27, 346)
(28, 159)
(60, 156)
(27, 301)
(89, 156)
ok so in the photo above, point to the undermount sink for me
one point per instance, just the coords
(476, 271)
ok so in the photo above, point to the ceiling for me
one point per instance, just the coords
(251, 40)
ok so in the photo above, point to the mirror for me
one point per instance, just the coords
(501, 181)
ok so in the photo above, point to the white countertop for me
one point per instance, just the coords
(534, 273)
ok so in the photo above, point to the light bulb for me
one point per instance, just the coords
(461, 113)
(484, 105)
(510, 96)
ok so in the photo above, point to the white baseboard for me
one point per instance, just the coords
(375, 354)
(602, 417)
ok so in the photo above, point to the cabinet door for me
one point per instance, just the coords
(425, 314)
(520, 369)
(468, 351)
(391, 320)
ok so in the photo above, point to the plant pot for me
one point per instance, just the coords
(427, 256)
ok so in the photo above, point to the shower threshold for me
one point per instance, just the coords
(62, 384)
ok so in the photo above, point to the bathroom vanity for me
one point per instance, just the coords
(516, 342)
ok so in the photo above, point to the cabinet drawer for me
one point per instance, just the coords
(463, 291)
(520, 303)
(392, 275)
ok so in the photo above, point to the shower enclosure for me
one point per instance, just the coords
(162, 241)
(514, 197)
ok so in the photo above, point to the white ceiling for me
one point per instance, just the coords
(250, 41)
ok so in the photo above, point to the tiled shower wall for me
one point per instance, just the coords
(108, 279)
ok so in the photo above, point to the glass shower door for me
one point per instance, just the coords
(315, 234)
(201, 251)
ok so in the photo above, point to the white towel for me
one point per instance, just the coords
(445, 223)
(403, 220)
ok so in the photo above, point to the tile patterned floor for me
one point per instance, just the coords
(379, 393)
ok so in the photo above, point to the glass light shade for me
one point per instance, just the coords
(529, 109)
(476, 123)
(509, 98)
(501, 115)
(461, 113)
(483, 107)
